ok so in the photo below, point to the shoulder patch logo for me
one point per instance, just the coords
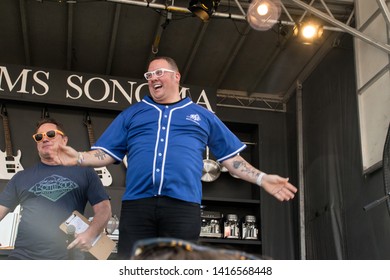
(194, 118)
(53, 187)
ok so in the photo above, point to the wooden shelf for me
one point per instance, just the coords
(230, 241)
(231, 200)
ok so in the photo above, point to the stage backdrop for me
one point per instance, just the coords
(85, 90)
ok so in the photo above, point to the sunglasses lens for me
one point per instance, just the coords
(51, 134)
(38, 137)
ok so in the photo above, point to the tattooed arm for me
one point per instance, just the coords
(275, 185)
(94, 158)
(66, 155)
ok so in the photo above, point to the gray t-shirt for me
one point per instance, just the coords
(48, 195)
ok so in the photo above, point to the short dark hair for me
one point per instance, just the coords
(52, 121)
(168, 59)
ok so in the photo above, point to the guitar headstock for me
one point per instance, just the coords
(87, 120)
(45, 114)
(3, 111)
(88, 123)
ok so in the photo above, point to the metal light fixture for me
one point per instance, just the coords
(203, 9)
(263, 14)
(309, 31)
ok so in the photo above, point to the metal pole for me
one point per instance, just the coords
(216, 14)
(301, 180)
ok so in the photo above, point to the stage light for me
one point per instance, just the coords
(203, 9)
(263, 14)
(308, 32)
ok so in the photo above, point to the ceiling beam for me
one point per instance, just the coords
(232, 56)
(69, 46)
(194, 50)
(26, 43)
(114, 34)
(263, 71)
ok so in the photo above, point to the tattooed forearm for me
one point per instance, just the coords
(237, 164)
(100, 155)
(243, 167)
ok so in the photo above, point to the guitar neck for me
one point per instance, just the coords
(90, 134)
(102, 172)
(7, 135)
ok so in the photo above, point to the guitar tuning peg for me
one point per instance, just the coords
(45, 113)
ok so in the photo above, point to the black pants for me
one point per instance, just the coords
(156, 217)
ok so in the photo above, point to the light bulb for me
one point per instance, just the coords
(262, 9)
(309, 31)
(263, 14)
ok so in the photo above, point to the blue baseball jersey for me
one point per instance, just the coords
(165, 144)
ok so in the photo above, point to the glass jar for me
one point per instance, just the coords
(231, 227)
(249, 228)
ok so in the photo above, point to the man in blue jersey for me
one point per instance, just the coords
(48, 193)
(164, 137)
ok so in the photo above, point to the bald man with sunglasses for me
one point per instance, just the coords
(48, 194)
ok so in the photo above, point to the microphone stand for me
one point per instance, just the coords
(376, 202)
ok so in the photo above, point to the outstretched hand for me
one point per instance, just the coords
(278, 187)
(65, 155)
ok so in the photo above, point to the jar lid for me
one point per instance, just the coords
(232, 217)
(250, 218)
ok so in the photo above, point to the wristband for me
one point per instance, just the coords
(259, 179)
(80, 158)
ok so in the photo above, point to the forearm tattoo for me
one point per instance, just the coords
(243, 167)
(100, 155)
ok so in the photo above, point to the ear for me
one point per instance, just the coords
(65, 140)
(178, 77)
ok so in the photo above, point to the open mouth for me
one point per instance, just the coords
(157, 86)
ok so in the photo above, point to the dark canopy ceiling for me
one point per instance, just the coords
(118, 37)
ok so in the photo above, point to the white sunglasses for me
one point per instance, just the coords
(158, 73)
